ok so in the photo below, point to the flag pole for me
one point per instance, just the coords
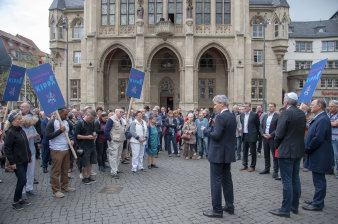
(66, 134)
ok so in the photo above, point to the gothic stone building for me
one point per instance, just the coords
(190, 50)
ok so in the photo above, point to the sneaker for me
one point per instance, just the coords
(24, 196)
(91, 180)
(24, 203)
(149, 167)
(115, 176)
(86, 181)
(92, 173)
(17, 206)
(36, 181)
(81, 176)
(200, 157)
(187, 158)
(154, 166)
(31, 193)
(143, 170)
(58, 194)
(195, 154)
(69, 189)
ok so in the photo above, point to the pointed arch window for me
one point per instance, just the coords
(203, 11)
(276, 27)
(78, 30)
(167, 63)
(53, 34)
(207, 63)
(283, 28)
(125, 63)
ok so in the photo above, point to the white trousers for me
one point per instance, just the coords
(138, 152)
(114, 155)
(30, 175)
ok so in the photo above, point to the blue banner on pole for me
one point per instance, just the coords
(14, 83)
(312, 81)
(46, 88)
(135, 83)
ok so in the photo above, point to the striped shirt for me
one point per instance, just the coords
(334, 117)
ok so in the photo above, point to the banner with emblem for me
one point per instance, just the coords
(312, 81)
(46, 88)
(135, 83)
(14, 83)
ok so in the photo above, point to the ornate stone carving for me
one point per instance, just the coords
(189, 27)
(223, 29)
(189, 9)
(107, 30)
(140, 10)
(130, 30)
(203, 29)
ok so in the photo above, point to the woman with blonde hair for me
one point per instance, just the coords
(189, 130)
(32, 136)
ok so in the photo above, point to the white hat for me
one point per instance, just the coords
(293, 96)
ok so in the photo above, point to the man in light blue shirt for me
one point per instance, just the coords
(202, 140)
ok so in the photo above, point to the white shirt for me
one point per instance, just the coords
(60, 142)
(268, 123)
(223, 110)
(246, 121)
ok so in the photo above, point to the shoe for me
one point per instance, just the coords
(133, 172)
(274, 175)
(58, 194)
(336, 176)
(278, 178)
(294, 212)
(8, 170)
(243, 168)
(17, 206)
(91, 180)
(115, 176)
(195, 154)
(81, 176)
(119, 171)
(69, 189)
(124, 162)
(24, 196)
(170, 155)
(149, 167)
(36, 182)
(154, 166)
(213, 214)
(229, 210)
(92, 173)
(238, 158)
(69, 177)
(178, 155)
(251, 169)
(143, 170)
(308, 202)
(312, 208)
(305, 170)
(190, 157)
(45, 170)
(264, 171)
(31, 193)
(187, 158)
(259, 154)
(198, 158)
(1, 181)
(86, 181)
(24, 203)
(280, 213)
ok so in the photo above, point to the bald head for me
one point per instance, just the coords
(25, 108)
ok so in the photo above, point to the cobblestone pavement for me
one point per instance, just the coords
(177, 192)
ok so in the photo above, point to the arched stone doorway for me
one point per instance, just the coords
(116, 72)
(165, 79)
(212, 76)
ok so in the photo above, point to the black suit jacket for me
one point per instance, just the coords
(273, 125)
(253, 126)
(289, 135)
(222, 139)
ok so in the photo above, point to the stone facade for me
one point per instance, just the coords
(186, 64)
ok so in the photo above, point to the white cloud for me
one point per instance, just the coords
(28, 18)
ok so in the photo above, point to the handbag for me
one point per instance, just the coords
(164, 130)
(128, 134)
(186, 137)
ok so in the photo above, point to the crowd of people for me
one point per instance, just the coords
(111, 138)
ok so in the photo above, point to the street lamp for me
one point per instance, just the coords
(264, 81)
(64, 25)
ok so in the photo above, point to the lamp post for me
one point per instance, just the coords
(264, 82)
(64, 24)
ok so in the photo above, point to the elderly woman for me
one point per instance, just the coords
(189, 129)
(152, 142)
(138, 130)
(170, 134)
(18, 154)
(32, 136)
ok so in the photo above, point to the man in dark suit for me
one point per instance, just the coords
(319, 149)
(250, 130)
(267, 130)
(221, 154)
(289, 139)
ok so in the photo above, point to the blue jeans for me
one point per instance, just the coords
(335, 152)
(239, 146)
(203, 146)
(168, 140)
(45, 155)
(289, 171)
(319, 182)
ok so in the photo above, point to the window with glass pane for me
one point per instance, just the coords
(336, 83)
(75, 88)
(154, 11)
(203, 11)
(112, 12)
(336, 64)
(78, 30)
(330, 46)
(127, 12)
(223, 11)
(323, 83)
(283, 28)
(123, 83)
(329, 83)
(256, 89)
(53, 30)
(104, 12)
(336, 44)
(301, 84)
(175, 11)
(324, 46)
(284, 65)
(258, 57)
(61, 32)
(202, 88)
(77, 57)
(276, 28)
(257, 29)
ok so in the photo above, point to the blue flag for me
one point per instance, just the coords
(46, 88)
(14, 83)
(312, 81)
(135, 83)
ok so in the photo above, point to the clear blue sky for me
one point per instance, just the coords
(29, 18)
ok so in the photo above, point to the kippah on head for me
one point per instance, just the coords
(12, 116)
(293, 96)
